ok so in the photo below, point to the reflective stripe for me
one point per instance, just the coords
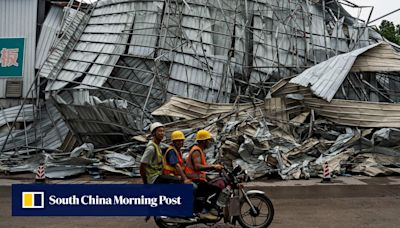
(154, 168)
(169, 169)
(190, 171)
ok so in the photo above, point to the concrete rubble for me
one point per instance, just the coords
(279, 101)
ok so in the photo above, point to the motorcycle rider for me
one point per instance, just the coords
(196, 165)
(172, 160)
(151, 163)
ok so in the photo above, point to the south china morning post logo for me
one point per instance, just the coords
(32, 199)
(117, 200)
(107, 200)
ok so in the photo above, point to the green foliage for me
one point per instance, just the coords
(390, 31)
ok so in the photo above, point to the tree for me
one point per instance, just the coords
(391, 32)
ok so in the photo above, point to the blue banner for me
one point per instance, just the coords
(102, 200)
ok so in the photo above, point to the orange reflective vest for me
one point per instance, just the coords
(190, 171)
(169, 169)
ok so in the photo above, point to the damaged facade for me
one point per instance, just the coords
(283, 85)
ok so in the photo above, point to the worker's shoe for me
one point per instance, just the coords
(214, 211)
(208, 216)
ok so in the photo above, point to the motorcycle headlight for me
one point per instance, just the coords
(246, 177)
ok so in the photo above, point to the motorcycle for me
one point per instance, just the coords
(251, 209)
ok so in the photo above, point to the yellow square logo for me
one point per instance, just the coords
(32, 199)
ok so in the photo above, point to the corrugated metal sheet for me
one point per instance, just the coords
(72, 28)
(343, 112)
(104, 35)
(338, 39)
(18, 19)
(48, 34)
(192, 78)
(275, 109)
(195, 112)
(49, 131)
(146, 28)
(189, 31)
(267, 31)
(187, 108)
(264, 55)
(105, 125)
(357, 113)
(320, 36)
(106, 38)
(119, 7)
(8, 115)
(109, 2)
(359, 37)
(52, 127)
(143, 73)
(325, 78)
(272, 39)
(225, 30)
(98, 73)
(382, 58)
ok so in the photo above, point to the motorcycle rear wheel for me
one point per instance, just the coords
(259, 201)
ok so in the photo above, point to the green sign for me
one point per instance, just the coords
(11, 57)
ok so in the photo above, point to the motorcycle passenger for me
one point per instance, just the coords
(172, 160)
(151, 163)
(196, 165)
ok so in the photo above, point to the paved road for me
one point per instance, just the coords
(373, 203)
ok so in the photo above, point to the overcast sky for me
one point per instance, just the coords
(381, 7)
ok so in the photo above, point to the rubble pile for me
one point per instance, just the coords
(263, 144)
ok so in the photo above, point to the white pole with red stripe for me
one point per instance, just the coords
(40, 174)
(326, 173)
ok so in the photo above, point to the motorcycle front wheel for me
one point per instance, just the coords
(162, 224)
(264, 211)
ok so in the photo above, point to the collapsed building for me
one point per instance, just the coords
(283, 85)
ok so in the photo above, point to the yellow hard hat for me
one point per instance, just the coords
(203, 135)
(177, 135)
